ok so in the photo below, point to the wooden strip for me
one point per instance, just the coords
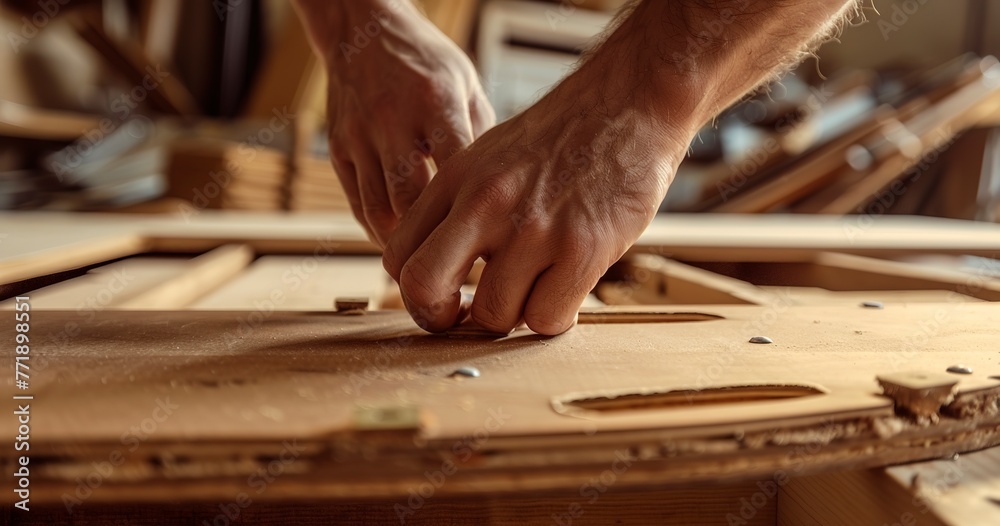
(170, 95)
(31, 258)
(38, 123)
(300, 283)
(652, 279)
(102, 286)
(934, 128)
(207, 272)
(848, 272)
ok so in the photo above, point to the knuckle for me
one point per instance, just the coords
(493, 197)
(375, 214)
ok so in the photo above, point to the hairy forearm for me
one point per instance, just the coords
(690, 59)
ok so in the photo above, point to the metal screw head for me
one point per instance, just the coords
(872, 305)
(761, 339)
(960, 369)
(469, 372)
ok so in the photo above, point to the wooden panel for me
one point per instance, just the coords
(593, 504)
(954, 491)
(859, 497)
(44, 243)
(104, 286)
(300, 283)
(842, 271)
(646, 279)
(221, 391)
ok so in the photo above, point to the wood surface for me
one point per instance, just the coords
(648, 279)
(204, 274)
(240, 383)
(40, 243)
(108, 285)
(955, 491)
(300, 283)
(692, 506)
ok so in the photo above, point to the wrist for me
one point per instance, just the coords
(340, 28)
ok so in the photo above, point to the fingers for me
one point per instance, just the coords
(375, 205)
(503, 290)
(430, 280)
(482, 115)
(457, 126)
(349, 181)
(407, 172)
(429, 210)
(557, 296)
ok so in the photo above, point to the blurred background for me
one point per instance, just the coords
(170, 105)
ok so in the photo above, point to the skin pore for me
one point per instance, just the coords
(555, 195)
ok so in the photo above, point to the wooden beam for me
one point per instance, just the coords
(207, 272)
(847, 272)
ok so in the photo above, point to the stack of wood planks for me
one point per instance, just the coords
(886, 163)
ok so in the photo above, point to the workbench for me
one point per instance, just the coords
(189, 369)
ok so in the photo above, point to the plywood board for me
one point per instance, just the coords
(105, 286)
(301, 283)
(236, 385)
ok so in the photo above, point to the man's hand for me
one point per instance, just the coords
(549, 199)
(553, 197)
(400, 92)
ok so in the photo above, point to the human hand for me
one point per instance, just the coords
(400, 92)
(550, 199)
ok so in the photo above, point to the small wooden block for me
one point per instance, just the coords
(351, 305)
(389, 418)
(919, 393)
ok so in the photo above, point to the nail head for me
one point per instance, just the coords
(960, 369)
(873, 305)
(761, 339)
(469, 372)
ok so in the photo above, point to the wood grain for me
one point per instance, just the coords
(239, 384)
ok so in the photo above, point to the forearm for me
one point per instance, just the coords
(689, 59)
(337, 27)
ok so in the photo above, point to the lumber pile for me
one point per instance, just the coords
(897, 156)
